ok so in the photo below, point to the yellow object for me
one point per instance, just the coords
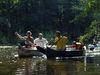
(61, 43)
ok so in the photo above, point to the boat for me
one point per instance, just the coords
(50, 53)
(28, 52)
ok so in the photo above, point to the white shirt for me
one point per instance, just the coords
(40, 42)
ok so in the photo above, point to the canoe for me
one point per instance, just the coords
(28, 52)
(50, 53)
(53, 53)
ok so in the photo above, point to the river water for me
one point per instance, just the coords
(11, 65)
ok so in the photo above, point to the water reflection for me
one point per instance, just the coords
(10, 65)
(31, 66)
(68, 67)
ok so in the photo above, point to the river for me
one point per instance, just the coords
(11, 65)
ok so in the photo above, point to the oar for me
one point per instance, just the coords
(55, 42)
(51, 45)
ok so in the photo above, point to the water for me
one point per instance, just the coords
(11, 65)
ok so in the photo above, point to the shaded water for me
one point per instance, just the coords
(10, 65)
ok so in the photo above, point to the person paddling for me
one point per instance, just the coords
(28, 39)
(60, 41)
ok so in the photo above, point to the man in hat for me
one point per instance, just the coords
(28, 38)
(60, 41)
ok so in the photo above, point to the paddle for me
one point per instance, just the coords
(55, 42)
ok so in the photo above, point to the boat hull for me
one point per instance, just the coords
(52, 53)
(25, 52)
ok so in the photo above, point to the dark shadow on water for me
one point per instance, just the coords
(9, 65)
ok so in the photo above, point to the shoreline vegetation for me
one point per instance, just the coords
(47, 17)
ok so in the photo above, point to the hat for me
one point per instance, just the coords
(40, 34)
(57, 32)
(74, 42)
(29, 32)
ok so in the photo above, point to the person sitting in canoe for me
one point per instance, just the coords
(28, 39)
(77, 45)
(60, 41)
(41, 41)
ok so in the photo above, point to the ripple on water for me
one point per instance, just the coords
(39, 66)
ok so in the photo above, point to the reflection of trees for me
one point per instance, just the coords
(68, 67)
(31, 66)
(40, 68)
(8, 67)
(34, 66)
(8, 64)
(22, 66)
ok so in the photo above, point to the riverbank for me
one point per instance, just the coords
(7, 47)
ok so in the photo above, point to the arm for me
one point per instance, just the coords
(35, 41)
(19, 36)
(55, 41)
(45, 43)
(31, 41)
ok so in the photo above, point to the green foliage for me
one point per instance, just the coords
(89, 33)
(47, 16)
(87, 7)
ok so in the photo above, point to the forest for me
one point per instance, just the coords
(79, 19)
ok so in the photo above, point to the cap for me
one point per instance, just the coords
(40, 34)
(58, 32)
(29, 32)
